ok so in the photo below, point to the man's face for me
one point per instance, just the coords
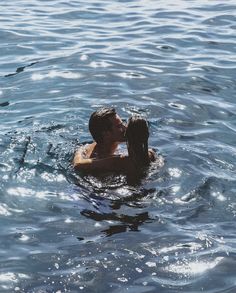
(118, 129)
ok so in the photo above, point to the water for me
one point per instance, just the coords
(172, 62)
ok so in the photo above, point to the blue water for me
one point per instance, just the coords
(174, 63)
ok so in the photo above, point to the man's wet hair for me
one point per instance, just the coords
(100, 121)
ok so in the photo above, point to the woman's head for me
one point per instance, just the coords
(137, 134)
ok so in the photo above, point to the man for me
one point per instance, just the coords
(107, 130)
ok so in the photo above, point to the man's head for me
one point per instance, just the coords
(105, 124)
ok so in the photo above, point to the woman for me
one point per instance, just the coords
(137, 135)
(139, 156)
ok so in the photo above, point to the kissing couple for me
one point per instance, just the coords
(108, 130)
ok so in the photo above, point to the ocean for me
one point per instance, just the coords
(173, 63)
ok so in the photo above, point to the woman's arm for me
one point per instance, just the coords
(154, 157)
(113, 163)
(79, 162)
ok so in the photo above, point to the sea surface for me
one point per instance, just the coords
(174, 62)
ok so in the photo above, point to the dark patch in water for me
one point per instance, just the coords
(127, 222)
(212, 43)
(21, 160)
(173, 105)
(186, 137)
(167, 48)
(4, 104)
(208, 90)
(51, 128)
(20, 69)
(26, 118)
(211, 122)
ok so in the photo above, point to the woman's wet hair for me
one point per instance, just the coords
(100, 121)
(137, 135)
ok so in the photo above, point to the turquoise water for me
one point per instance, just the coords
(174, 63)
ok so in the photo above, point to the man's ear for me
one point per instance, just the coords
(106, 135)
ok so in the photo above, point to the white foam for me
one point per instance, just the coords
(4, 210)
(151, 264)
(193, 268)
(26, 192)
(130, 75)
(103, 64)
(84, 57)
(54, 73)
(175, 172)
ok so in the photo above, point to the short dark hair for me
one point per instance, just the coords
(99, 122)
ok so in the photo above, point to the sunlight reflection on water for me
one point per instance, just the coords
(193, 268)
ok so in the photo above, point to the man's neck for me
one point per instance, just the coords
(102, 150)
